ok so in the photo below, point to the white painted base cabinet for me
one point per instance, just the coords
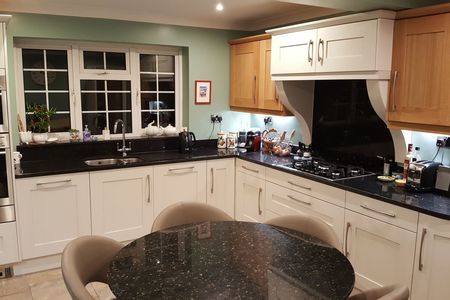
(250, 192)
(53, 210)
(9, 252)
(432, 262)
(121, 203)
(220, 184)
(179, 182)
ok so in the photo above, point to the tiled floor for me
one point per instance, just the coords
(45, 285)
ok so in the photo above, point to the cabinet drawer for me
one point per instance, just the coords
(318, 190)
(9, 252)
(283, 202)
(382, 211)
(251, 168)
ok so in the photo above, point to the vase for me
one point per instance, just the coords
(40, 137)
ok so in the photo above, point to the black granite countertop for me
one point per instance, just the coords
(230, 260)
(428, 203)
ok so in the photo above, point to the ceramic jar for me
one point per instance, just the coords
(221, 140)
(231, 140)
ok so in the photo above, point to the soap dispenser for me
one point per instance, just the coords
(86, 134)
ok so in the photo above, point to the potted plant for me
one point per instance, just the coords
(39, 119)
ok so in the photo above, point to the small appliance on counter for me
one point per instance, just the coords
(242, 139)
(187, 140)
(422, 175)
(253, 143)
(443, 179)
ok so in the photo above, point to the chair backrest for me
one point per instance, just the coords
(182, 213)
(391, 292)
(85, 260)
(309, 225)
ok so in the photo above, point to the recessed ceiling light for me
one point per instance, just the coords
(219, 7)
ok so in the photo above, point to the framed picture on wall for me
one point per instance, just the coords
(203, 92)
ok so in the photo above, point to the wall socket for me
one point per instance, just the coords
(443, 141)
(216, 119)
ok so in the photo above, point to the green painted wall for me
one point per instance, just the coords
(205, 56)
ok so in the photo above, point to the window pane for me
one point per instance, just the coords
(56, 59)
(60, 122)
(166, 63)
(33, 58)
(34, 98)
(115, 61)
(119, 101)
(96, 122)
(93, 101)
(34, 80)
(148, 62)
(166, 82)
(119, 85)
(148, 82)
(126, 117)
(147, 100)
(57, 81)
(148, 117)
(92, 85)
(59, 101)
(166, 101)
(93, 60)
(166, 118)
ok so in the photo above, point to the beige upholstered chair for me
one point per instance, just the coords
(188, 212)
(309, 225)
(391, 292)
(85, 260)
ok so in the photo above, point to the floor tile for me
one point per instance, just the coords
(34, 279)
(55, 290)
(103, 291)
(13, 285)
(24, 295)
(91, 291)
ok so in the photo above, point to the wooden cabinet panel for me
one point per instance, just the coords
(244, 72)
(53, 210)
(268, 97)
(220, 184)
(249, 197)
(432, 263)
(9, 252)
(179, 182)
(380, 253)
(121, 202)
(421, 72)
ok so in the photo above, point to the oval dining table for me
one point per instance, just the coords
(230, 260)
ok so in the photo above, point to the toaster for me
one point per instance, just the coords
(422, 175)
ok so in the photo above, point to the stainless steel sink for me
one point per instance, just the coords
(112, 161)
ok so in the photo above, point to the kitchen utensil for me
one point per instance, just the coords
(386, 178)
(151, 130)
(26, 137)
(17, 156)
(187, 141)
(170, 130)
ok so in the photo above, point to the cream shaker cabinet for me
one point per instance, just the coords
(2, 46)
(52, 211)
(220, 184)
(9, 252)
(122, 203)
(379, 242)
(432, 262)
(179, 182)
(250, 192)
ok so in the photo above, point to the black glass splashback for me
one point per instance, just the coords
(346, 128)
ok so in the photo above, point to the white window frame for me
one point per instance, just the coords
(76, 73)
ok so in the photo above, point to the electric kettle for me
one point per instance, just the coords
(187, 140)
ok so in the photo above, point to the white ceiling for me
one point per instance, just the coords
(238, 14)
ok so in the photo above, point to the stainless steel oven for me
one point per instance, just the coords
(3, 105)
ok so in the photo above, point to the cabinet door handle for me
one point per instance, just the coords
(148, 189)
(424, 232)
(300, 186)
(251, 170)
(182, 169)
(320, 58)
(43, 184)
(346, 239)
(310, 47)
(394, 85)
(389, 214)
(212, 180)
(259, 201)
(254, 89)
(298, 200)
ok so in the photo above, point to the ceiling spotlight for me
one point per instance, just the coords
(219, 7)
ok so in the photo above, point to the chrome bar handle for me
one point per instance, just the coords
(42, 184)
(148, 189)
(212, 180)
(346, 240)
(394, 85)
(310, 47)
(251, 170)
(424, 232)
(320, 58)
(259, 201)
(181, 169)
(300, 186)
(389, 214)
(254, 89)
(298, 200)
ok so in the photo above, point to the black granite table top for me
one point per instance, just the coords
(429, 203)
(230, 260)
